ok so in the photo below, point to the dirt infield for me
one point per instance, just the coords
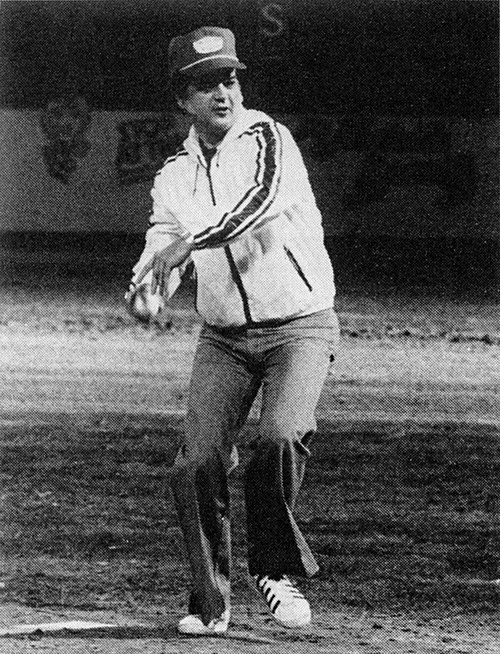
(334, 632)
(400, 500)
(401, 518)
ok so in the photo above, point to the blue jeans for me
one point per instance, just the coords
(290, 362)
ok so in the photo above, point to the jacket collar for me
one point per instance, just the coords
(246, 118)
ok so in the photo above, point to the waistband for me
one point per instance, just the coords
(323, 318)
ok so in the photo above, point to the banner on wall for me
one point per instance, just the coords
(416, 176)
(390, 153)
(143, 146)
(64, 122)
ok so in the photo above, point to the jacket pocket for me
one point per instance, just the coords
(297, 267)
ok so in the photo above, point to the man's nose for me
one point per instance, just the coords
(220, 92)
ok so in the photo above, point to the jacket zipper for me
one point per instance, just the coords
(235, 273)
(211, 185)
(297, 267)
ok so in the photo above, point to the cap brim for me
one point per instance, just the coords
(209, 65)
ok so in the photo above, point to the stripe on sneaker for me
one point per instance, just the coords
(275, 606)
(285, 602)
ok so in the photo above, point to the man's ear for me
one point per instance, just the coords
(184, 105)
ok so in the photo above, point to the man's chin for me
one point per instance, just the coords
(223, 121)
(221, 124)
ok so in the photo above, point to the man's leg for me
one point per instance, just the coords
(295, 371)
(221, 393)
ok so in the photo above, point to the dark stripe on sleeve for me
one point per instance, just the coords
(175, 156)
(258, 198)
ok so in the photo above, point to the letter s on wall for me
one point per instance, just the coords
(272, 13)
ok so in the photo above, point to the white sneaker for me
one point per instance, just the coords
(286, 603)
(193, 625)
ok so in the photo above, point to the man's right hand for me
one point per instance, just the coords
(162, 264)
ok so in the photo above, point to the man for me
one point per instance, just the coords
(236, 200)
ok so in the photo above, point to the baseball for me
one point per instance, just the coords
(143, 304)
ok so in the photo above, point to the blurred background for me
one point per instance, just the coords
(394, 104)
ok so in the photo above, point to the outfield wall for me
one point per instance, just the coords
(372, 175)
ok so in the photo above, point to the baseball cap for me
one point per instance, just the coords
(202, 51)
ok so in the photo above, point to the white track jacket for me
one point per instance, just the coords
(259, 245)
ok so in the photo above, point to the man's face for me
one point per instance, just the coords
(214, 101)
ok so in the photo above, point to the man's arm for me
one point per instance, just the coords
(165, 237)
(257, 202)
(163, 262)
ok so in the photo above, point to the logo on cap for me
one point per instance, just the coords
(208, 44)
